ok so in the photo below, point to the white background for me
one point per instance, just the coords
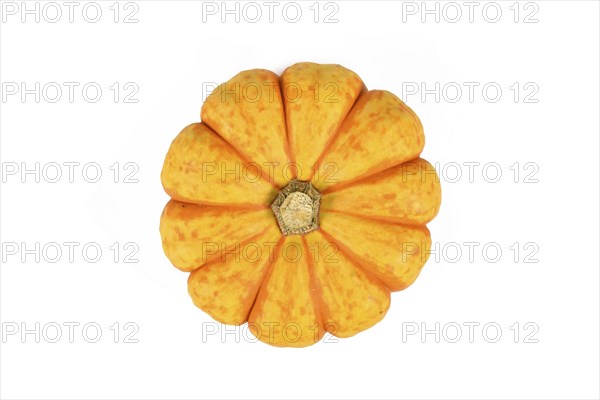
(170, 54)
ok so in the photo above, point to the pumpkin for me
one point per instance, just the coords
(299, 203)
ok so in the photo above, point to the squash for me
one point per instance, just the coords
(299, 203)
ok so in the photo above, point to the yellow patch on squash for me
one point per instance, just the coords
(192, 235)
(317, 98)
(286, 312)
(408, 193)
(380, 132)
(202, 168)
(352, 300)
(393, 253)
(227, 287)
(247, 111)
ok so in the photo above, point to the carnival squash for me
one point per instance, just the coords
(299, 203)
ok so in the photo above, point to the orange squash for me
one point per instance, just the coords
(299, 203)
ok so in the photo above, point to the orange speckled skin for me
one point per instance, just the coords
(195, 171)
(190, 232)
(247, 111)
(361, 149)
(395, 132)
(287, 312)
(317, 99)
(407, 193)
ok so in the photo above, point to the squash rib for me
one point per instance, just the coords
(241, 155)
(242, 243)
(351, 299)
(285, 300)
(379, 132)
(192, 234)
(313, 117)
(360, 179)
(383, 220)
(408, 193)
(359, 262)
(335, 135)
(267, 273)
(253, 122)
(195, 171)
(230, 206)
(352, 257)
(288, 141)
(317, 294)
(226, 289)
